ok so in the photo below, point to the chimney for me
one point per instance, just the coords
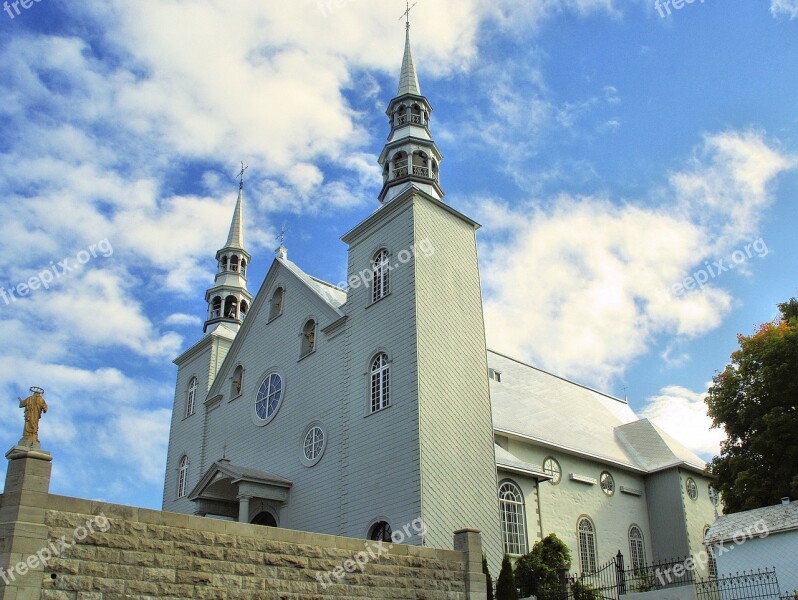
(785, 501)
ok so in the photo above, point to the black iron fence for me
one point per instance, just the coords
(753, 585)
(614, 579)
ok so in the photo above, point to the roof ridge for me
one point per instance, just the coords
(581, 385)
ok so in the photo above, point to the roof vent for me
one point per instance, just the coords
(785, 501)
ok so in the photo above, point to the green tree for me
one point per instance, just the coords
(505, 587)
(488, 578)
(754, 400)
(539, 573)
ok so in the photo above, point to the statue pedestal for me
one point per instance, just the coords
(22, 520)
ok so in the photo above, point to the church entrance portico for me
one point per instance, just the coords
(232, 491)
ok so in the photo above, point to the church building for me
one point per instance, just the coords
(358, 412)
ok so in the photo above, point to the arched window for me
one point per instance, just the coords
(381, 282)
(380, 382)
(276, 305)
(637, 548)
(270, 396)
(223, 263)
(243, 312)
(415, 114)
(182, 478)
(234, 263)
(587, 545)
(216, 308)
(401, 115)
(191, 398)
(511, 506)
(244, 267)
(420, 164)
(231, 307)
(265, 519)
(400, 165)
(380, 532)
(308, 338)
(238, 382)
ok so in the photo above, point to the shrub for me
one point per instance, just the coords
(583, 591)
(505, 587)
(540, 572)
(488, 578)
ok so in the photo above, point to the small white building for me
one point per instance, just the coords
(758, 539)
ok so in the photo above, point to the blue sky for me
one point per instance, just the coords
(608, 152)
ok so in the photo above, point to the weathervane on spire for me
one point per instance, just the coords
(241, 175)
(406, 14)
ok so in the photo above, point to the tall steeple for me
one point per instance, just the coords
(410, 155)
(229, 300)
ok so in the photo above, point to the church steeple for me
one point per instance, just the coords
(408, 80)
(410, 156)
(229, 300)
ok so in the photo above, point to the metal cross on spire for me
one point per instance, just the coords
(406, 14)
(281, 237)
(241, 175)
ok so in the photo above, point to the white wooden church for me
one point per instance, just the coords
(357, 412)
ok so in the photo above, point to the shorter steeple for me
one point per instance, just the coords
(229, 300)
(410, 155)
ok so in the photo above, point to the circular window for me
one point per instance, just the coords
(270, 396)
(552, 467)
(313, 445)
(692, 488)
(607, 483)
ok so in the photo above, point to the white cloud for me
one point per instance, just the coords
(137, 440)
(182, 319)
(683, 414)
(599, 274)
(788, 8)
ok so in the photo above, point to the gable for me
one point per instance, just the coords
(325, 299)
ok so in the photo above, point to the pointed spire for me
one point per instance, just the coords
(410, 154)
(229, 300)
(235, 239)
(408, 81)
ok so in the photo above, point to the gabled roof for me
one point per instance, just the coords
(332, 295)
(510, 462)
(654, 449)
(753, 523)
(551, 411)
(223, 472)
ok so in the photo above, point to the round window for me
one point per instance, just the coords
(270, 396)
(552, 468)
(607, 483)
(692, 488)
(313, 445)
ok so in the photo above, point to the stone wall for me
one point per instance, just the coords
(85, 550)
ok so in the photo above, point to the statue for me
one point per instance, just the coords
(34, 406)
